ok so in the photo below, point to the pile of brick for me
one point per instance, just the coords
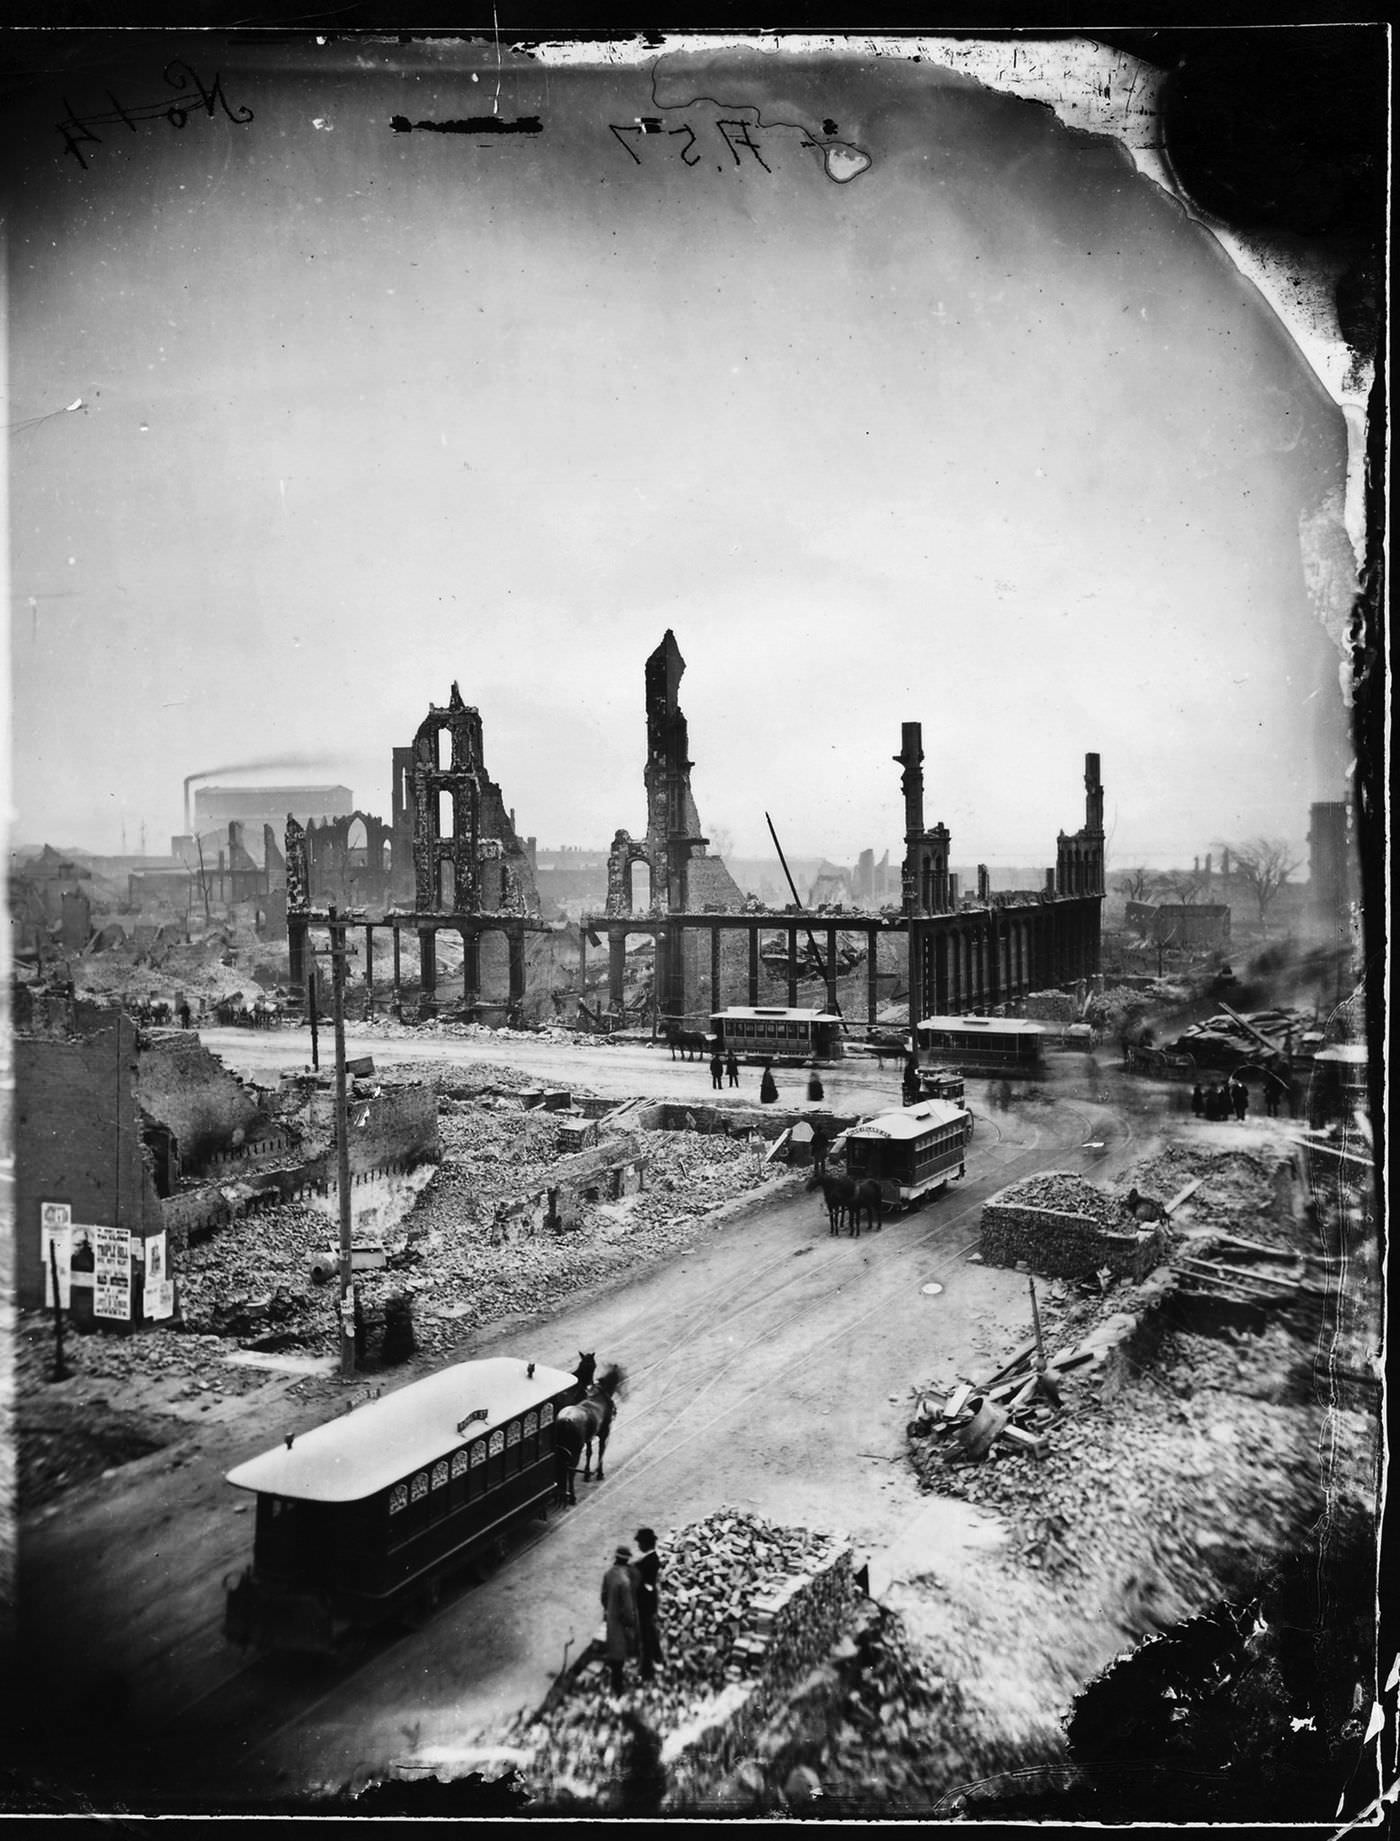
(746, 1606)
(1061, 1225)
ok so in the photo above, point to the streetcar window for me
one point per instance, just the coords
(531, 1435)
(398, 1498)
(459, 1477)
(439, 1504)
(547, 1413)
(495, 1458)
(418, 1488)
(512, 1448)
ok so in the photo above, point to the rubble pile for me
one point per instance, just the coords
(741, 1599)
(875, 1732)
(1064, 1194)
(1238, 1192)
(1190, 1473)
(384, 1026)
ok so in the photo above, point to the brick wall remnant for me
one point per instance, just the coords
(1061, 1226)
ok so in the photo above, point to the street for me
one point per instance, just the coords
(771, 1367)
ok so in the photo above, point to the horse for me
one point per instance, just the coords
(578, 1425)
(689, 1041)
(839, 1193)
(867, 1197)
(584, 1374)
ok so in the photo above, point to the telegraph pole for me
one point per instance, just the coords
(342, 1139)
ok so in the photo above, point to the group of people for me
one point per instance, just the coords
(631, 1600)
(767, 1086)
(1221, 1101)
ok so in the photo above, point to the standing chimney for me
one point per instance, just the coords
(911, 759)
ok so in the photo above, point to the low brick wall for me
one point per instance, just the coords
(792, 1628)
(1066, 1245)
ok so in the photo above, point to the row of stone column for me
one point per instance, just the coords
(298, 932)
(992, 958)
(667, 964)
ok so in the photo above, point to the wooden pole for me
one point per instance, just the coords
(60, 1367)
(342, 1141)
(1039, 1339)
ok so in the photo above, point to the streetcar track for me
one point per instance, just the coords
(638, 1463)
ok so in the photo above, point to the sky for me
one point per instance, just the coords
(989, 436)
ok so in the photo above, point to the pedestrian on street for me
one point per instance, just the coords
(767, 1087)
(646, 1570)
(716, 1072)
(1198, 1101)
(1240, 1096)
(731, 1067)
(815, 1091)
(820, 1146)
(911, 1082)
(1271, 1096)
(620, 1615)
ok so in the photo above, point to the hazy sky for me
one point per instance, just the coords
(990, 437)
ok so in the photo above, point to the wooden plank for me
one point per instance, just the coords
(957, 1400)
(1023, 1440)
(1016, 1362)
(1182, 1194)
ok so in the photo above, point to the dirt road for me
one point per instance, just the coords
(771, 1368)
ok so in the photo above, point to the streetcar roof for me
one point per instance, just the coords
(746, 1012)
(992, 1025)
(910, 1121)
(353, 1456)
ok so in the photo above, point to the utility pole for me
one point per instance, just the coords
(347, 1299)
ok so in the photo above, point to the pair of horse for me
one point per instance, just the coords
(849, 1199)
(693, 1045)
(586, 1418)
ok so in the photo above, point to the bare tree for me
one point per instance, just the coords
(1132, 885)
(1182, 884)
(1264, 864)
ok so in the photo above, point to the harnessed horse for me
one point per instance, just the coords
(577, 1426)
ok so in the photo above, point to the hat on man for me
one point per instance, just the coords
(623, 1556)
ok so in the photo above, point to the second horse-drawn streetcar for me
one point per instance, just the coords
(756, 1033)
(910, 1152)
(988, 1045)
(363, 1517)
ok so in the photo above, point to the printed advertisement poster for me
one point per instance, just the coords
(112, 1277)
(156, 1299)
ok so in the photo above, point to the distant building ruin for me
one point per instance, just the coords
(983, 951)
(448, 859)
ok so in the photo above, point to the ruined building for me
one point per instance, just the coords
(682, 877)
(450, 857)
(970, 952)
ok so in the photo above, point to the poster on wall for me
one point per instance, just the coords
(112, 1276)
(56, 1231)
(158, 1296)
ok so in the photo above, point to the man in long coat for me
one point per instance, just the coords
(620, 1613)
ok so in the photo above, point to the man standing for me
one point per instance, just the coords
(620, 1614)
(647, 1571)
(716, 1071)
(731, 1067)
(767, 1087)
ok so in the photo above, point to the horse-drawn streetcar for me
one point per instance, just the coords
(772, 1033)
(363, 1517)
(910, 1152)
(982, 1045)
